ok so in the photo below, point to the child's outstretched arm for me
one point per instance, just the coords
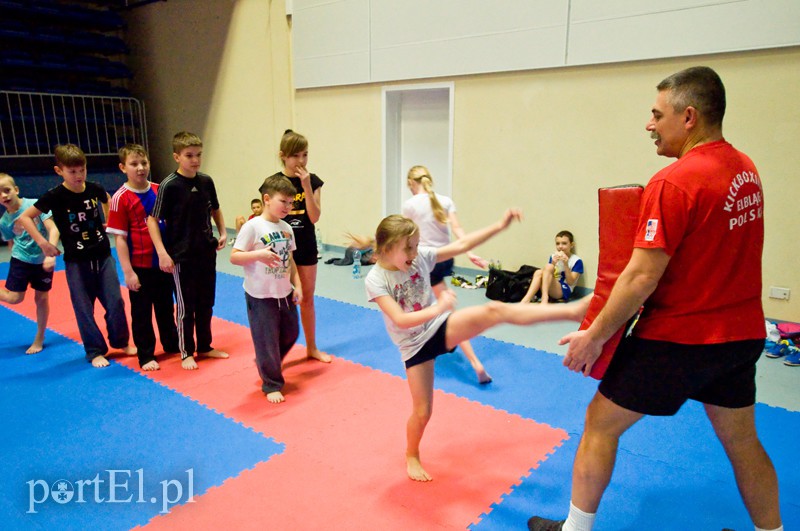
(473, 239)
(458, 232)
(26, 219)
(446, 302)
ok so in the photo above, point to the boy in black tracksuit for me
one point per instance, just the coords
(186, 202)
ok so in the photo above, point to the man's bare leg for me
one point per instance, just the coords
(597, 451)
(752, 467)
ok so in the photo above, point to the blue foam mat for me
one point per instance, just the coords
(671, 472)
(65, 420)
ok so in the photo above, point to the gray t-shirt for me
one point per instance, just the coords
(412, 291)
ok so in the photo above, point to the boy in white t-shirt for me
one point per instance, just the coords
(272, 286)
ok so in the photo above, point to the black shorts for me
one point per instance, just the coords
(441, 270)
(20, 274)
(435, 346)
(306, 255)
(657, 377)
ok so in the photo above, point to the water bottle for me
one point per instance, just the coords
(356, 264)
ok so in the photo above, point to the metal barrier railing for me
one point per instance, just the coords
(33, 123)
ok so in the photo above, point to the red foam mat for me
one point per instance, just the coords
(343, 467)
(343, 427)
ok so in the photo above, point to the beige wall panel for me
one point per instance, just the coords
(222, 70)
(343, 127)
(547, 140)
(542, 140)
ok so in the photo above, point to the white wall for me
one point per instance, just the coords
(341, 42)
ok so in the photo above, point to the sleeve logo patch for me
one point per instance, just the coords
(652, 228)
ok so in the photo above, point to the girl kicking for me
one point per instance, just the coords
(422, 326)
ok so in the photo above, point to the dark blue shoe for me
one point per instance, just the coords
(537, 523)
(778, 350)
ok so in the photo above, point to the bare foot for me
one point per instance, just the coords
(189, 364)
(415, 470)
(275, 397)
(483, 376)
(581, 306)
(36, 347)
(319, 356)
(214, 353)
(99, 361)
(151, 366)
(128, 350)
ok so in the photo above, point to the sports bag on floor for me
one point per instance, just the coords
(509, 286)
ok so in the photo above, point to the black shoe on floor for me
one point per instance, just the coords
(537, 523)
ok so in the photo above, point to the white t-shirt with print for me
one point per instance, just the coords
(412, 291)
(260, 280)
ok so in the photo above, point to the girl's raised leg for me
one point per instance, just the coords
(467, 323)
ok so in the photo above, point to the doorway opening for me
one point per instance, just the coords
(417, 129)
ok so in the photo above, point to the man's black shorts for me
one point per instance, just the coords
(657, 377)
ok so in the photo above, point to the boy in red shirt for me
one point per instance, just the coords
(149, 288)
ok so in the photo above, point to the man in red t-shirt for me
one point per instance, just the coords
(696, 269)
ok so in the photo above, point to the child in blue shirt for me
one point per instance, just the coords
(28, 263)
(558, 278)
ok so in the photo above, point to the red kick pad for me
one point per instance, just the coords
(619, 216)
(343, 427)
